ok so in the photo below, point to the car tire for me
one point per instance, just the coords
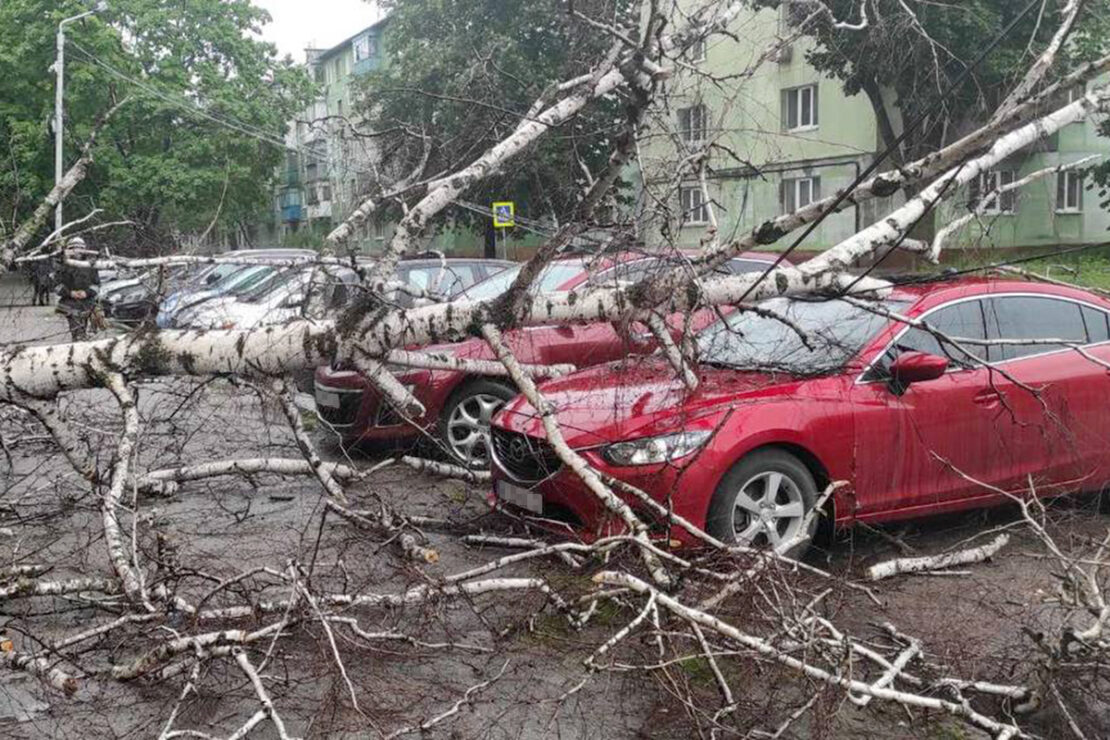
(464, 421)
(751, 519)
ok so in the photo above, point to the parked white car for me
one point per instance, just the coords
(280, 299)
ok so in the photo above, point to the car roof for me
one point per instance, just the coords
(431, 262)
(275, 252)
(371, 259)
(768, 257)
(931, 292)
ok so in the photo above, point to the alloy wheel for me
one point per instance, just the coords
(468, 428)
(769, 511)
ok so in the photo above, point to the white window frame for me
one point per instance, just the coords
(1005, 203)
(363, 48)
(693, 131)
(800, 92)
(795, 186)
(1067, 178)
(695, 209)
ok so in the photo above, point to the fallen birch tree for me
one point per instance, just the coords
(175, 618)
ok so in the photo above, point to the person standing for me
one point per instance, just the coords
(42, 278)
(77, 289)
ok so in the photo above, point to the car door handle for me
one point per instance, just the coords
(987, 397)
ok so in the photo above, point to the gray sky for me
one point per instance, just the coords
(299, 24)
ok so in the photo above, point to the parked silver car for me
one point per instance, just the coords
(222, 278)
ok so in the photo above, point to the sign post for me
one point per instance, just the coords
(504, 217)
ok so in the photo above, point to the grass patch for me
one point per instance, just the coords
(1088, 269)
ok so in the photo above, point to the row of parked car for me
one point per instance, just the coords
(841, 390)
(792, 397)
(267, 290)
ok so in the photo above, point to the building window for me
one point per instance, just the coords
(692, 123)
(799, 108)
(379, 228)
(325, 193)
(694, 209)
(799, 192)
(793, 14)
(365, 48)
(1069, 192)
(989, 182)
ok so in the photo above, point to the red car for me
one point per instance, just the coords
(459, 405)
(909, 423)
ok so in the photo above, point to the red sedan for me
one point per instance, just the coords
(459, 405)
(910, 422)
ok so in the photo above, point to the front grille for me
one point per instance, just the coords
(526, 459)
(347, 413)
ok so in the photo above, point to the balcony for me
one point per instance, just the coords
(292, 214)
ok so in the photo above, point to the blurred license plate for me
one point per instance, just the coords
(324, 398)
(521, 497)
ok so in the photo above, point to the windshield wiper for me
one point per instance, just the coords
(722, 364)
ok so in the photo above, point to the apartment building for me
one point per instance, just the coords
(328, 166)
(800, 137)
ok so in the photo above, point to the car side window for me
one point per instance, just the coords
(1098, 325)
(1029, 317)
(455, 279)
(962, 320)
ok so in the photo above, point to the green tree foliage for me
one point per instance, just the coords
(461, 74)
(159, 161)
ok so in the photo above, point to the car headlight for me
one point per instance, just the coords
(653, 450)
(131, 296)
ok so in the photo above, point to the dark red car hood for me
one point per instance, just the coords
(625, 400)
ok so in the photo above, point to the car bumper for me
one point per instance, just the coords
(570, 506)
(346, 404)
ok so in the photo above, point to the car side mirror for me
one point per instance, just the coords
(915, 367)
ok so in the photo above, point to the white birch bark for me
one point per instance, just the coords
(938, 562)
(130, 577)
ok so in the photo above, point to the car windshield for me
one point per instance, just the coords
(817, 336)
(260, 291)
(210, 275)
(553, 276)
(244, 279)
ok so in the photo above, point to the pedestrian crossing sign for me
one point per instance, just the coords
(504, 215)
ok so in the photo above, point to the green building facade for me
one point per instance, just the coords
(800, 138)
